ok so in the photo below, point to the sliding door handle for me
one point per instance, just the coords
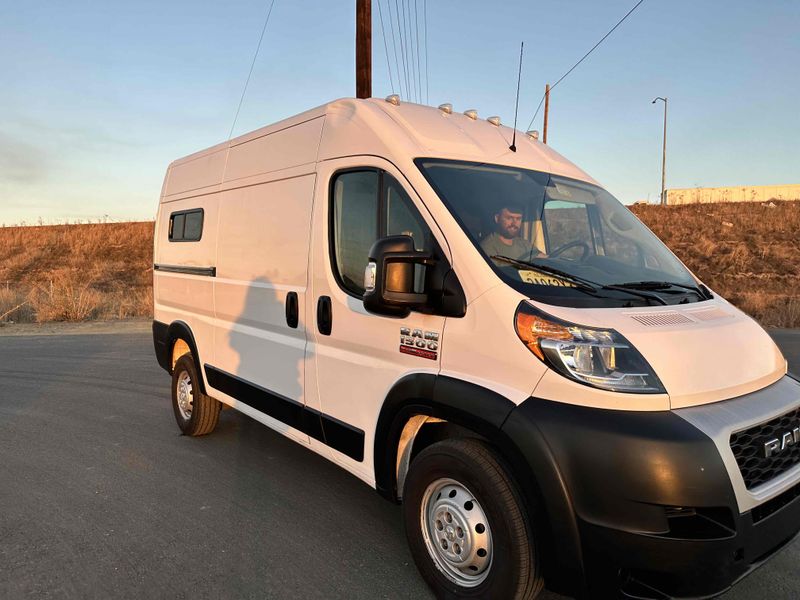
(324, 315)
(292, 310)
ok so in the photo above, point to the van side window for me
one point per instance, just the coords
(355, 225)
(186, 225)
(367, 205)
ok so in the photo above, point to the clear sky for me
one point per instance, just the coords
(98, 97)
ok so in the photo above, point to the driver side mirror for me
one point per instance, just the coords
(389, 276)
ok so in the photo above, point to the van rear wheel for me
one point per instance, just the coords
(466, 526)
(196, 413)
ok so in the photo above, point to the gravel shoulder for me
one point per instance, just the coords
(122, 326)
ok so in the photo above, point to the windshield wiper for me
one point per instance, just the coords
(581, 283)
(701, 290)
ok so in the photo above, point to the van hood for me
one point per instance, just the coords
(702, 353)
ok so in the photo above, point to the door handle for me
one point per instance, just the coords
(292, 310)
(324, 315)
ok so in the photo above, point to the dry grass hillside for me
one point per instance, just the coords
(749, 253)
(76, 272)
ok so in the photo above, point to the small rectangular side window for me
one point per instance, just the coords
(186, 225)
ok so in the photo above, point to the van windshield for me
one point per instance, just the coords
(560, 240)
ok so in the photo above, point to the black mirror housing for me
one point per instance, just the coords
(389, 276)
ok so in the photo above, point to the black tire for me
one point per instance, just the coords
(514, 571)
(204, 409)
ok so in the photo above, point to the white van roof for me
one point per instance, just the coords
(399, 133)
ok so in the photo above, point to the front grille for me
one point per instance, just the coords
(769, 508)
(748, 448)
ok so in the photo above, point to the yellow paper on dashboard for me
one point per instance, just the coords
(538, 278)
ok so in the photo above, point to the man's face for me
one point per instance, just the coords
(508, 223)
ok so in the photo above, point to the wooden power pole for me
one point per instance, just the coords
(546, 112)
(363, 48)
(664, 160)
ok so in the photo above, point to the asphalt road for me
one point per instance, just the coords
(100, 497)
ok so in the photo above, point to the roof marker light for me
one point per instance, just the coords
(494, 121)
(471, 113)
(533, 134)
(446, 108)
(393, 99)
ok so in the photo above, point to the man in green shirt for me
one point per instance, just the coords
(506, 239)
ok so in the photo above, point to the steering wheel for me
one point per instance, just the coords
(574, 244)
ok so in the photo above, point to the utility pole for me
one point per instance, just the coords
(363, 48)
(546, 112)
(663, 155)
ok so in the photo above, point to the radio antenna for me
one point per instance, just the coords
(513, 146)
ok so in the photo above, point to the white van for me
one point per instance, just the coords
(485, 335)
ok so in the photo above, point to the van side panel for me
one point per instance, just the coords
(262, 257)
(197, 173)
(185, 296)
(283, 149)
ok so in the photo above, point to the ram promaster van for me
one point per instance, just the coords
(482, 333)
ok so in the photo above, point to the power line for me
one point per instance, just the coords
(394, 47)
(419, 71)
(385, 46)
(413, 52)
(402, 47)
(412, 58)
(425, 16)
(602, 39)
(409, 50)
(253, 64)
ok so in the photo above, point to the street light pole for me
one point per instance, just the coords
(663, 155)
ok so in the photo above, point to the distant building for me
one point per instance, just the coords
(755, 193)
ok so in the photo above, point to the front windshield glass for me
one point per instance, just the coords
(557, 239)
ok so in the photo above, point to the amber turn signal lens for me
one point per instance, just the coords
(532, 328)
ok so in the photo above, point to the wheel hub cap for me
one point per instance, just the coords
(185, 395)
(456, 532)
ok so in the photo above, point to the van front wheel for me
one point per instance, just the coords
(466, 526)
(196, 413)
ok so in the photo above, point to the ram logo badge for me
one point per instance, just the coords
(417, 342)
(781, 443)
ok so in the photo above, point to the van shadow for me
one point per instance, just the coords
(264, 351)
(303, 526)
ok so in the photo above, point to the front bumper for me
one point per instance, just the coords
(656, 505)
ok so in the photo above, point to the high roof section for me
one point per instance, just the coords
(410, 130)
(349, 127)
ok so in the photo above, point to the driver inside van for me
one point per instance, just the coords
(506, 240)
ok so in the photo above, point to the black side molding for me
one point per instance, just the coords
(332, 432)
(204, 271)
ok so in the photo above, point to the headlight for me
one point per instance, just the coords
(601, 358)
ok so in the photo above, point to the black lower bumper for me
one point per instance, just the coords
(656, 567)
(640, 504)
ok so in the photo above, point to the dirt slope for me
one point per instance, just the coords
(748, 252)
(76, 272)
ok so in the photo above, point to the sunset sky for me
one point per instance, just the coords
(98, 97)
